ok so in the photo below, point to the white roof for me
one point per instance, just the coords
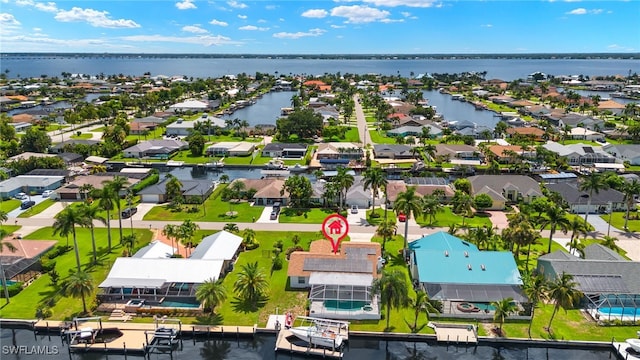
(340, 278)
(190, 104)
(130, 272)
(222, 245)
(155, 250)
(464, 162)
(96, 159)
(130, 170)
(608, 166)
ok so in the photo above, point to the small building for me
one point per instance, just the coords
(267, 191)
(624, 152)
(72, 191)
(504, 189)
(29, 184)
(285, 150)
(222, 245)
(579, 133)
(230, 148)
(193, 191)
(180, 128)
(155, 149)
(20, 126)
(22, 264)
(581, 202)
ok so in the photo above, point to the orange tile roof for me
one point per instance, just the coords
(498, 150)
(322, 249)
(526, 131)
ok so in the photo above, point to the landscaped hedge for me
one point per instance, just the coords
(57, 251)
(148, 181)
(13, 289)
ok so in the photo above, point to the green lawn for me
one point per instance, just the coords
(215, 209)
(37, 209)
(10, 229)
(82, 136)
(9, 205)
(377, 220)
(447, 218)
(304, 216)
(24, 305)
(617, 220)
(379, 137)
(113, 213)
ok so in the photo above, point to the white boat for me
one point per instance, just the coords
(297, 168)
(318, 335)
(276, 164)
(634, 343)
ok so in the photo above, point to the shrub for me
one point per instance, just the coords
(47, 265)
(43, 312)
(14, 289)
(58, 250)
(276, 263)
(292, 249)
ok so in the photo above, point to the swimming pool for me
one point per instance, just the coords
(484, 306)
(343, 305)
(179, 304)
(9, 282)
(619, 311)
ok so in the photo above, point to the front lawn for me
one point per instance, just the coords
(447, 218)
(37, 209)
(380, 216)
(82, 136)
(377, 137)
(617, 220)
(9, 205)
(304, 216)
(41, 292)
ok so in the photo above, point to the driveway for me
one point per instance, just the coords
(498, 219)
(265, 217)
(15, 212)
(51, 211)
(600, 226)
(143, 209)
(358, 219)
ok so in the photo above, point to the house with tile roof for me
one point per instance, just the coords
(624, 152)
(505, 189)
(581, 202)
(580, 154)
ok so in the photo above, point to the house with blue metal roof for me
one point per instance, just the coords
(464, 278)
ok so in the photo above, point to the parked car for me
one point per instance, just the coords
(47, 193)
(354, 209)
(276, 207)
(21, 196)
(402, 217)
(27, 204)
(128, 212)
(274, 215)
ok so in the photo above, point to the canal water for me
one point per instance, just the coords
(453, 110)
(262, 347)
(266, 110)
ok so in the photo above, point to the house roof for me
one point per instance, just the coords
(571, 193)
(150, 145)
(396, 149)
(155, 250)
(153, 273)
(530, 130)
(523, 184)
(626, 151)
(282, 146)
(354, 257)
(189, 187)
(25, 249)
(222, 245)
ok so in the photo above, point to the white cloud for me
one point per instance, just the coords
(205, 40)
(218, 23)
(357, 14)
(487, 25)
(315, 13)
(48, 7)
(578, 11)
(253, 28)
(338, 26)
(196, 29)
(270, 7)
(186, 5)
(243, 17)
(297, 35)
(43, 39)
(94, 18)
(237, 5)
(37, 29)
(407, 3)
(7, 19)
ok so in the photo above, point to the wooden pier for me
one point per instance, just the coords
(283, 343)
(455, 333)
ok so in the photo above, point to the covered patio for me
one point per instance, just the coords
(343, 296)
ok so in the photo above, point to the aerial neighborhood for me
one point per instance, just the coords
(139, 198)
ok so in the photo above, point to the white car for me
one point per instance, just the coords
(21, 196)
(47, 193)
(354, 209)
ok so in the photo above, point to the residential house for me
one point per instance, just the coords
(22, 263)
(606, 279)
(180, 128)
(508, 153)
(29, 184)
(267, 190)
(472, 276)
(20, 126)
(344, 278)
(73, 190)
(624, 152)
(396, 152)
(576, 120)
(335, 154)
(285, 150)
(445, 152)
(505, 189)
(612, 106)
(581, 202)
(580, 154)
(70, 144)
(193, 191)
(579, 133)
(395, 187)
(27, 154)
(156, 279)
(190, 105)
(155, 149)
(528, 132)
(230, 148)
(357, 195)
(435, 131)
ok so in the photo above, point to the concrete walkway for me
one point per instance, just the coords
(498, 219)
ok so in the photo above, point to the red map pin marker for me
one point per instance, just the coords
(335, 228)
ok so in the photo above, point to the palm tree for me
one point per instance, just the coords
(251, 283)
(392, 286)
(105, 202)
(386, 229)
(555, 217)
(85, 189)
(231, 227)
(577, 228)
(88, 214)
(374, 178)
(117, 185)
(504, 308)
(65, 224)
(462, 204)
(564, 293)
(430, 207)
(224, 178)
(592, 184)
(211, 293)
(186, 231)
(11, 248)
(630, 190)
(344, 181)
(248, 238)
(79, 285)
(408, 203)
(171, 231)
(129, 242)
(535, 288)
(429, 151)
(421, 303)
(610, 242)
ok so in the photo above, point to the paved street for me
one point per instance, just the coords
(363, 129)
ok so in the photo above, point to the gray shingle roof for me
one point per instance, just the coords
(573, 196)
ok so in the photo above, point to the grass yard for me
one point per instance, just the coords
(380, 212)
(82, 136)
(37, 209)
(215, 209)
(113, 213)
(380, 138)
(9, 205)
(447, 218)
(617, 220)
(41, 292)
(10, 229)
(304, 216)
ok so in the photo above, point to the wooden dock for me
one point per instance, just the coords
(284, 344)
(625, 351)
(456, 333)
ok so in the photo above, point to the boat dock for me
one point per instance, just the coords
(455, 333)
(286, 342)
(625, 351)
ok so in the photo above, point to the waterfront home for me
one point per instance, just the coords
(464, 278)
(389, 151)
(193, 191)
(504, 189)
(562, 120)
(395, 187)
(155, 149)
(267, 190)
(581, 202)
(72, 191)
(335, 154)
(501, 99)
(508, 153)
(610, 283)
(435, 131)
(445, 152)
(22, 264)
(157, 280)
(231, 148)
(285, 150)
(340, 284)
(528, 132)
(190, 105)
(328, 113)
(612, 106)
(477, 132)
(29, 184)
(624, 152)
(580, 154)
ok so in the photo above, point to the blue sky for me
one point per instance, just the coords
(320, 27)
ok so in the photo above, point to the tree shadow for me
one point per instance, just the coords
(247, 306)
(396, 259)
(209, 319)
